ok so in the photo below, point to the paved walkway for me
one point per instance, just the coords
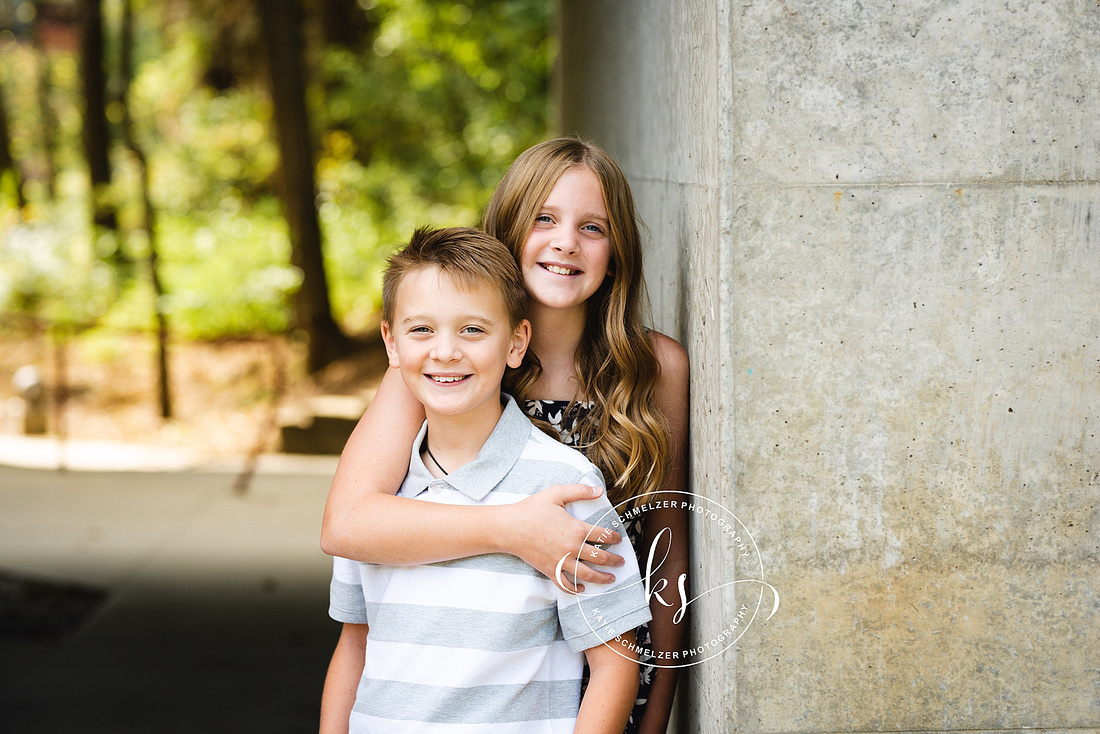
(215, 616)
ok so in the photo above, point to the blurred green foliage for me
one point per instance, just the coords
(413, 125)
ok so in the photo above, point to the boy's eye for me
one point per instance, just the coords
(419, 330)
(473, 330)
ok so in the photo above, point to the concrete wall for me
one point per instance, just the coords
(876, 228)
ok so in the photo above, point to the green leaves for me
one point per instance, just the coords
(413, 126)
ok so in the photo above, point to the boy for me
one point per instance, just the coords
(482, 644)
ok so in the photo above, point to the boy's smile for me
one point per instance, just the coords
(452, 344)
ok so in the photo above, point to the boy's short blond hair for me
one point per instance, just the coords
(468, 255)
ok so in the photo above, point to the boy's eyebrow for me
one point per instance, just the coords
(464, 318)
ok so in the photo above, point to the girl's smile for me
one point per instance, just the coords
(559, 269)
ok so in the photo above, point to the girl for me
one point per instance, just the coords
(610, 387)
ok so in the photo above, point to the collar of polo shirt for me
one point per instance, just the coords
(497, 457)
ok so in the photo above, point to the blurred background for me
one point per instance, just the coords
(196, 197)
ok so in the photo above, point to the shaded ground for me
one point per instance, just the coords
(166, 601)
(41, 609)
(214, 610)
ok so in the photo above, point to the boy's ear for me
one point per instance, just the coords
(521, 337)
(391, 347)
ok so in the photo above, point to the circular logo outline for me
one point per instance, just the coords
(720, 641)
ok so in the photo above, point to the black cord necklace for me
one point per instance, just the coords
(434, 460)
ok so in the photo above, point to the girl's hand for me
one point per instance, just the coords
(541, 532)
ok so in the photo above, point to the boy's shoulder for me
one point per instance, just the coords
(559, 459)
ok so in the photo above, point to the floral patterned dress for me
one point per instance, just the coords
(563, 416)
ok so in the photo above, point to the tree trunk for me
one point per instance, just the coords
(7, 163)
(148, 213)
(344, 23)
(96, 133)
(281, 25)
(48, 124)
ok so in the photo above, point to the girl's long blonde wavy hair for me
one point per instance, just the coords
(625, 435)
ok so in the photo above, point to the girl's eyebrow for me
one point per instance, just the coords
(587, 215)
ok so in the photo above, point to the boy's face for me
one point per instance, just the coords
(452, 344)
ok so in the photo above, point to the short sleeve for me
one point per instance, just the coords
(603, 611)
(346, 601)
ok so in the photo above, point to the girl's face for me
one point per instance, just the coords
(568, 251)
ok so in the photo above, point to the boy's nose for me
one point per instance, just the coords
(445, 349)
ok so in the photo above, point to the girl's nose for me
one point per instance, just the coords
(566, 243)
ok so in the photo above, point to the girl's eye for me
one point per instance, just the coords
(593, 228)
(543, 219)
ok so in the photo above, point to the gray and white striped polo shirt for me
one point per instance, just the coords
(484, 644)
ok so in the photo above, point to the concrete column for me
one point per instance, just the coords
(876, 228)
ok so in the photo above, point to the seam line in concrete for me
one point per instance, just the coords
(952, 731)
(923, 184)
(879, 185)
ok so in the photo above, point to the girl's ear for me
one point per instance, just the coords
(521, 338)
(391, 346)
